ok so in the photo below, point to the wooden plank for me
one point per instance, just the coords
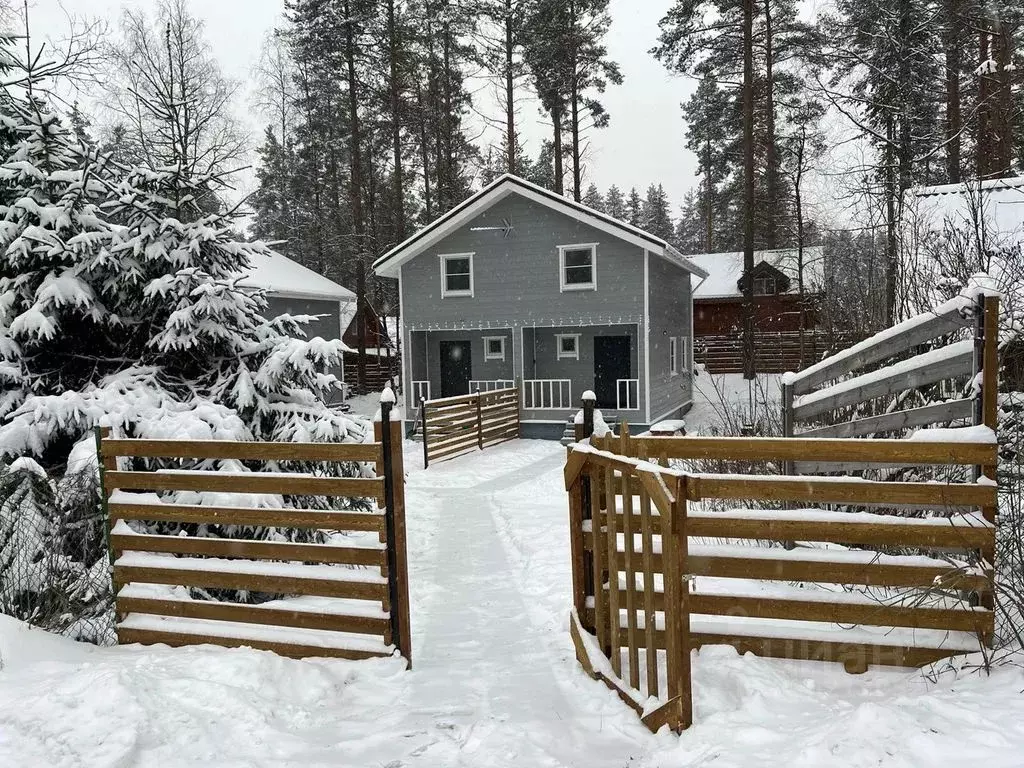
(291, 585)
(834, 491)
(909, 533)
(613, 583)
(916, 372)
(936, 413)
(243, 451)
(824, 572)
(677, 615)
(400, 544)
(598, 557)
(579, 599)
(845, 613)
(865, 354)
(291, 650)
(647, 536)
(633, 648)
(244, 483)
(856, 657)
(273, 518)
(803, 448)
(990, 366)
(452, 451)
(251, 550)
(253, 614)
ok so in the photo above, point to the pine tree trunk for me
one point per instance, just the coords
(954, 125)
(771, 161)
(398, 205)
(355, 196)
(510, 112)
(748, 189)
(424, 152)
(983, 146)
(574, 105)
(798, 201)
(556, 116)
(1002, 128)
(709, 196)
(891, 249)
(449, 144)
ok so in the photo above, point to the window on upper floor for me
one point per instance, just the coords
(457, 274)
(673, 355)
(765, 286)
(494, 348)
(578, 267)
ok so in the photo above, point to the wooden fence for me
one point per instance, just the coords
(774, 352)
(345, 600)
(453, 426)
(654, 598)
(830, 401)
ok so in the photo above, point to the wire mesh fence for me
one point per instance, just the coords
(54, 562)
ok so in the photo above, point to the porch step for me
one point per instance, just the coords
(569, 435)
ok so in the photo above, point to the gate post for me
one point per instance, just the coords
(390, 436)
(585, 431)
(479, 421)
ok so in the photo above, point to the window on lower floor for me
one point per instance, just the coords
(567, 346)
(494, 348)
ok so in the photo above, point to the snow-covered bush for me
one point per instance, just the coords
(120, 307)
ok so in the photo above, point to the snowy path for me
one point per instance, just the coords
(495, 683)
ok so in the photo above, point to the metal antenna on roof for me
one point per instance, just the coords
(506, 228)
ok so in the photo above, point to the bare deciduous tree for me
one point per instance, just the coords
(170, 94)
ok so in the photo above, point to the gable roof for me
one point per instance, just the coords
(278, 275)
(725, 270)
(388, 265)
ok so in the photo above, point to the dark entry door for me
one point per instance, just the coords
(611, 363)
(456, 368)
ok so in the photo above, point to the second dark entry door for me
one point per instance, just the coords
(611, 363)
(456, 368)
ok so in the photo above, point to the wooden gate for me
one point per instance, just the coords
(830, 594)
(452, 426)
(346, 596)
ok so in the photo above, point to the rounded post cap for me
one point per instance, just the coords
(589, 396)
(387, 395)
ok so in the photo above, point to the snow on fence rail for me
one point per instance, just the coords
(355, 611)
(644, 594)
(453, 426)
(832, 402)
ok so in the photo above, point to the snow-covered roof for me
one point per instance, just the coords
(1000, 200)
(279, 275)
(507, 184)
(725, 270)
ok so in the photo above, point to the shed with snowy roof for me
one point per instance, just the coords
(784, 326)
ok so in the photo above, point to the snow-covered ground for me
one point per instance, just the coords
(495, 681)
(716, 396)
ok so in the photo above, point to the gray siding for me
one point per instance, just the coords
(670, 315)
(428, 367)
(516, 279)
(327, 327)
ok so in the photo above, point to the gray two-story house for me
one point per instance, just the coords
(520, 286)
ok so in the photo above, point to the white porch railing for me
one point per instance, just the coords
(420, 391)
(547, 394)
(489, 385)
(627, 394)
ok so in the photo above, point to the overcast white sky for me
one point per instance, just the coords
(643, 143)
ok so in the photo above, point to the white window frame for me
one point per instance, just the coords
(673, 355)
(686, 360)
(488, 355)
(445, 258)
(560, 354)
(592, 285)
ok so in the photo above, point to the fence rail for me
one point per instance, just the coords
(453, 426)
(489, 385)
(633, 525)
(547, 394)
(841, 395)
(373, 559)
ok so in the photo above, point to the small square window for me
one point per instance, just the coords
(457, 274)
(568, 346)
(764, 286)
(578, 265)
(494, 348)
